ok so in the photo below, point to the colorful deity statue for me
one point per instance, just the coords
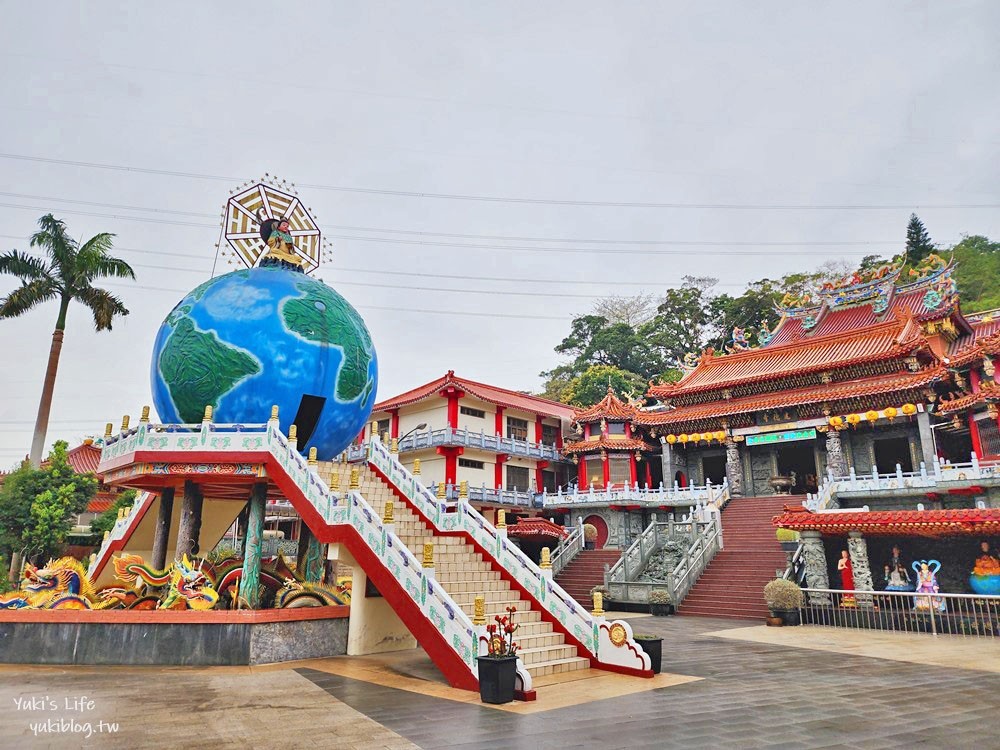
(985, 576)
(280, 244)
(927, 583)
(738, 342)
(846, 578)
(764, 334)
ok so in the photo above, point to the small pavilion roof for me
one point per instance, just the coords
(884, 341)
(959, 521)
(489, 393)
(536, 527)
(607, 443)
(609, 408)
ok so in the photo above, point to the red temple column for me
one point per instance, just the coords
(633, 469)
(498, 471)
(649, 474)
(538, 428)
(977, 442)
(498, 423)
(453, 395)
(451, 454)
(394, 423)
(581, 476)
(606, 466)
(539, 476)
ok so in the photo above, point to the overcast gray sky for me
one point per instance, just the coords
(852, 106)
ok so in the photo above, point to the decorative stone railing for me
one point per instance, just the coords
(705, 494)
(568, 549)
(705, 539)
(591, 631)
(941, 473)
(466, 438)
(122, 528)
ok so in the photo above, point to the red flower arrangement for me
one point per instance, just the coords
(501, 635)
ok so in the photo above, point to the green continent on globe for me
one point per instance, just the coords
(323, 316)
(199, 369)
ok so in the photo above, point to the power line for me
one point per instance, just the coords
(521, 200)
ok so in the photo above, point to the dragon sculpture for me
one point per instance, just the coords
(185, 585)
(61, 584)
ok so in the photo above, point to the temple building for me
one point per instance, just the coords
(496, 440)
(868, 374)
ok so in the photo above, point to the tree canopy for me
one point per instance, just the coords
(635, 339)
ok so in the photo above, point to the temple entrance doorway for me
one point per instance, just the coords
(714, 469)
(892, 451)
(680, 479)
(799, 461)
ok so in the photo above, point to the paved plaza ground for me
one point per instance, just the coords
(725, 685)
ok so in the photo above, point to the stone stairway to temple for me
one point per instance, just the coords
(733, 584)
(585, 571)
(461, 570)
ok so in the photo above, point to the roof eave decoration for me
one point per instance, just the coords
(607, 444)
(609, 408)
(951, 522)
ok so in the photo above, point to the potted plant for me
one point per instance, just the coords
(784, 598)
(498, 669)
(652, 645)
(660, 603)
(589, 535)
(788, 538)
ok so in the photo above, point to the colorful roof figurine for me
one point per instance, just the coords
(931, 523)
(489, 393)
(536, 527)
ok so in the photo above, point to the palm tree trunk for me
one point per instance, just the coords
(14, 573)
(45, 405)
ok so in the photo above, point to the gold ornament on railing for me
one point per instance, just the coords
(598, 603)
(355, 478)
(428, 555)
(387, 512)
(501, 519)
(208, 413)
(125, 423)
(274, 413)
(107, 429)
(373, 430)
(416, 467)
(479, 610)
(144, 416)
(463, 490)
(385, 438)
(312, 456)
(335, 479)
(293, 435)
(394, 446)
(442, 491)
(546, 563)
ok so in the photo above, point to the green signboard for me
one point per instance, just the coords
(781, 437)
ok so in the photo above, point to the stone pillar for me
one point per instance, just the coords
(309, 560)
(250, 583)
(926, 440)
(189, 529)
(857, 548)
(814, 557)
(836, 462)
(734, 468)
(161, 533)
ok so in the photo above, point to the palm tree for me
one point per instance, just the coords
(67, 274)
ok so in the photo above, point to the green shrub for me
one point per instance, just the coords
(787, 535)
(589, 532)
(782, 594)
(660, 597)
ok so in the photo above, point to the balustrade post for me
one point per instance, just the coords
(899, 474)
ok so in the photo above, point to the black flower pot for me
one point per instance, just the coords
(661, 610)
(788, 616)
(653, 647)
(589, 545)
(496, 678)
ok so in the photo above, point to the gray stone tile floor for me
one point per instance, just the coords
(753, 695)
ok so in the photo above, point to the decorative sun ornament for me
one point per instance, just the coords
(252, 208)
(618, 635)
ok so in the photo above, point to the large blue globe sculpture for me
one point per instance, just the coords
(268, 336)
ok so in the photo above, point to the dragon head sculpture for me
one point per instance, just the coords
(190, 584)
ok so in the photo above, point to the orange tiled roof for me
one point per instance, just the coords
(833, 392)
(610, 407)
(607, 443)
(879, 342)
(100, 502)
(489, 393)
(988, 391)
(84, 458)
(914, 522)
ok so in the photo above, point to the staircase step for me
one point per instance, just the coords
(557, 666)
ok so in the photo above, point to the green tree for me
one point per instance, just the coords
(978, 273)
(37, 505)
(66, 274)
(592, 385)
(918, 241)
(106, 521)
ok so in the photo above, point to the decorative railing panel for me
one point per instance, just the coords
(568, 549)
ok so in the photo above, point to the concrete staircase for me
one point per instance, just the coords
(585, 571)
(464, 574)
(733, 584)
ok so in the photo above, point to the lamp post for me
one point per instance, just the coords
(421, 426)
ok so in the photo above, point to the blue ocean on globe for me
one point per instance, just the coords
(254, 338)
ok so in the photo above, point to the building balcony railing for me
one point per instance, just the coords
(449, 436)
(951, 475)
